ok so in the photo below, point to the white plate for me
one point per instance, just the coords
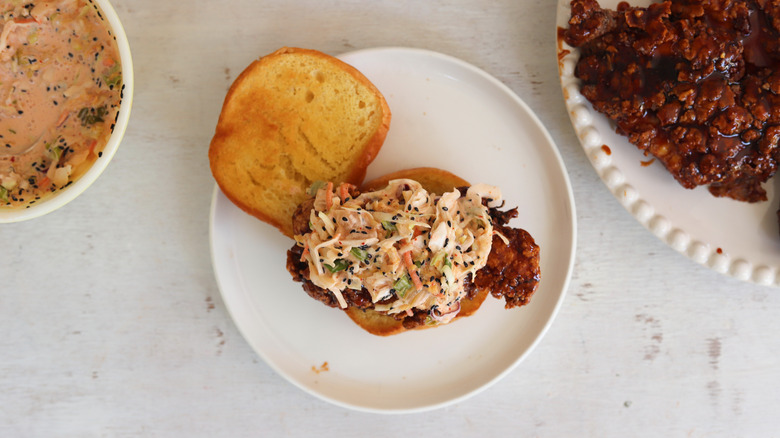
(730, 237)
(446, 114)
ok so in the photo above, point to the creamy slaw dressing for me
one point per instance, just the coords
(60, 89)
(409, 248)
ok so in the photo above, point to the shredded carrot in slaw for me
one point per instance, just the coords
(63, 117)
(407, 256)
(92, 145)
(343, 192)
(305, 251)
(44, 182)
(329, 195)
(27, 20)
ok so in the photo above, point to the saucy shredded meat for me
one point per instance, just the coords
(694, 83)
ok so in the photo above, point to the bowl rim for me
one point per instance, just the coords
(69, 193)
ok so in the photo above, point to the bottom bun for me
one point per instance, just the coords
(383, 325)
(432, 179)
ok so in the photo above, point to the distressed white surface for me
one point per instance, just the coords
(113, 326)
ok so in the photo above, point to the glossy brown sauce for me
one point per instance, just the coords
(561, 51)
(694, 84)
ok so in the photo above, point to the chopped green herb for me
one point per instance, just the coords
(389, 227)
(55, 152)
(449, 276)
(338, 265)
(3, 194)
(437, 260)
(315, 187)
(430, 321)
(90, 116)
(360, 254)
(113, 77)
(402, 285)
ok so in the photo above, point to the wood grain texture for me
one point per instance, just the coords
(113, 324)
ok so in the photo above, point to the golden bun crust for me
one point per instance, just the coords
(432, 179)
(383, 325)
(435, 181)
(293, 117)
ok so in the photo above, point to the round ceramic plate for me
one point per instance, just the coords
(446, 114)
(730, 237)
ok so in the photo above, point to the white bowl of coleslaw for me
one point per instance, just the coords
(64, 101)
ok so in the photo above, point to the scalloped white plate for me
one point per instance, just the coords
(730, 237)
(446, 114)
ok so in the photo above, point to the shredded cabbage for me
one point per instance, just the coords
(408, 248)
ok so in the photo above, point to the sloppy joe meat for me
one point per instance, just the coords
(695, 84)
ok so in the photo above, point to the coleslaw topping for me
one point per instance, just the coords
(408, 248)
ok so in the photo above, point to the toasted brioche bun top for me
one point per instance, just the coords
(291, 118)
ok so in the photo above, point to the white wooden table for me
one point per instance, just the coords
(113, 324)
